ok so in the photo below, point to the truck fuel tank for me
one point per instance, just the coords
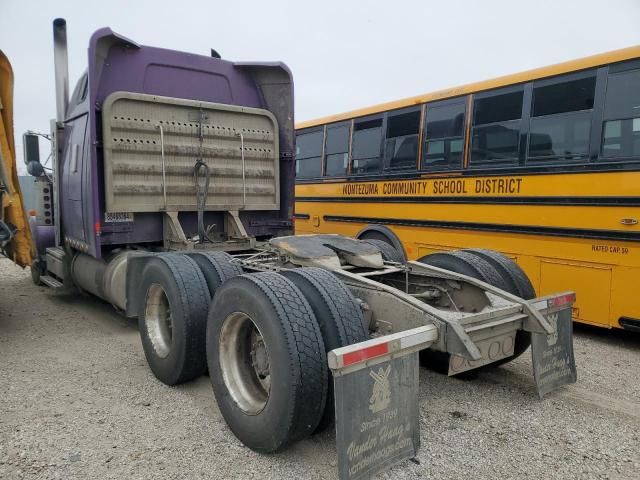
(105, 278)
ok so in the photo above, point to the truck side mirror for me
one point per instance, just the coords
(31, 152)
(31, 146)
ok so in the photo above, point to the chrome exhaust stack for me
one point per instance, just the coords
(61, 64)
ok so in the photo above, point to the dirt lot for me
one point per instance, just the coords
(78, 401)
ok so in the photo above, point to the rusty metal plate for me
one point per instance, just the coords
(151, 145)
(377, 422)
(554, 363)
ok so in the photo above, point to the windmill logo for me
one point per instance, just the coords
(553, 321)
(381, 392)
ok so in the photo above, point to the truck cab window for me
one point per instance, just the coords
(621, 128)
(444, 135)
(309, 154)
(337, 150)
(401, 143)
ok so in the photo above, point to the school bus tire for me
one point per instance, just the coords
(389, 252)
(385, 234)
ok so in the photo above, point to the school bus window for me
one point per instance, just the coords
(365, 146)
(309, 154)
(401, 142)
(337, 150)
(561, 119)
(443, 144)
(495, 135)
(621, 128)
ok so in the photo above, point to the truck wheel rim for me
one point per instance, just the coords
(159, 320)
(244, 362)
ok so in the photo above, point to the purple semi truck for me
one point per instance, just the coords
(171, 197)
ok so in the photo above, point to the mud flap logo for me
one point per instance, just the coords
(552, 339)
(381, 393)
(554, 364)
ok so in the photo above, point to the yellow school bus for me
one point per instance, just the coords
(542, 165)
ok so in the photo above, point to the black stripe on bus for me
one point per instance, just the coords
(492, 227)
(301, 216)
(597, 166)
(566, 201)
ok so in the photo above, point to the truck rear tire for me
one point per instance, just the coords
(338, 314)
(216, 267)
(468, 264)
(519, 284)
(389, 252)
(37, 271)
(172, 319)
(267, 361)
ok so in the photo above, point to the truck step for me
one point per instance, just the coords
(56, 258)
(51, 282)
(56, 252)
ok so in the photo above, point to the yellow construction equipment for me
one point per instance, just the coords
(15, 236)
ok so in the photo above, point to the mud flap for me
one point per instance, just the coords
(554, 363)
(376, 401)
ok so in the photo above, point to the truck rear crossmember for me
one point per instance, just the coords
(458, 332)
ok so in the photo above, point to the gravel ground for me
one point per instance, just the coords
(78, 401)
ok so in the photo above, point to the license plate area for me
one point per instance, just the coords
(492, 349)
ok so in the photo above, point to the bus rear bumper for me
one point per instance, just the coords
(630, 324)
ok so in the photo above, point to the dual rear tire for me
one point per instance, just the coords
(490, 267)
(270, 374)
(264, 338)
(172, 319)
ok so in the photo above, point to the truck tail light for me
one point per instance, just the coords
(562, 300)
(393, 344)
(365, 354)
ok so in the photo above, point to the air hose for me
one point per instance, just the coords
(202, 192)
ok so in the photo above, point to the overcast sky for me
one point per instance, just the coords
(343, 54)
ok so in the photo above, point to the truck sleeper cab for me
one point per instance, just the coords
(163, 162)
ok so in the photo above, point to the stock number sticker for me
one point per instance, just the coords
(118, 217)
